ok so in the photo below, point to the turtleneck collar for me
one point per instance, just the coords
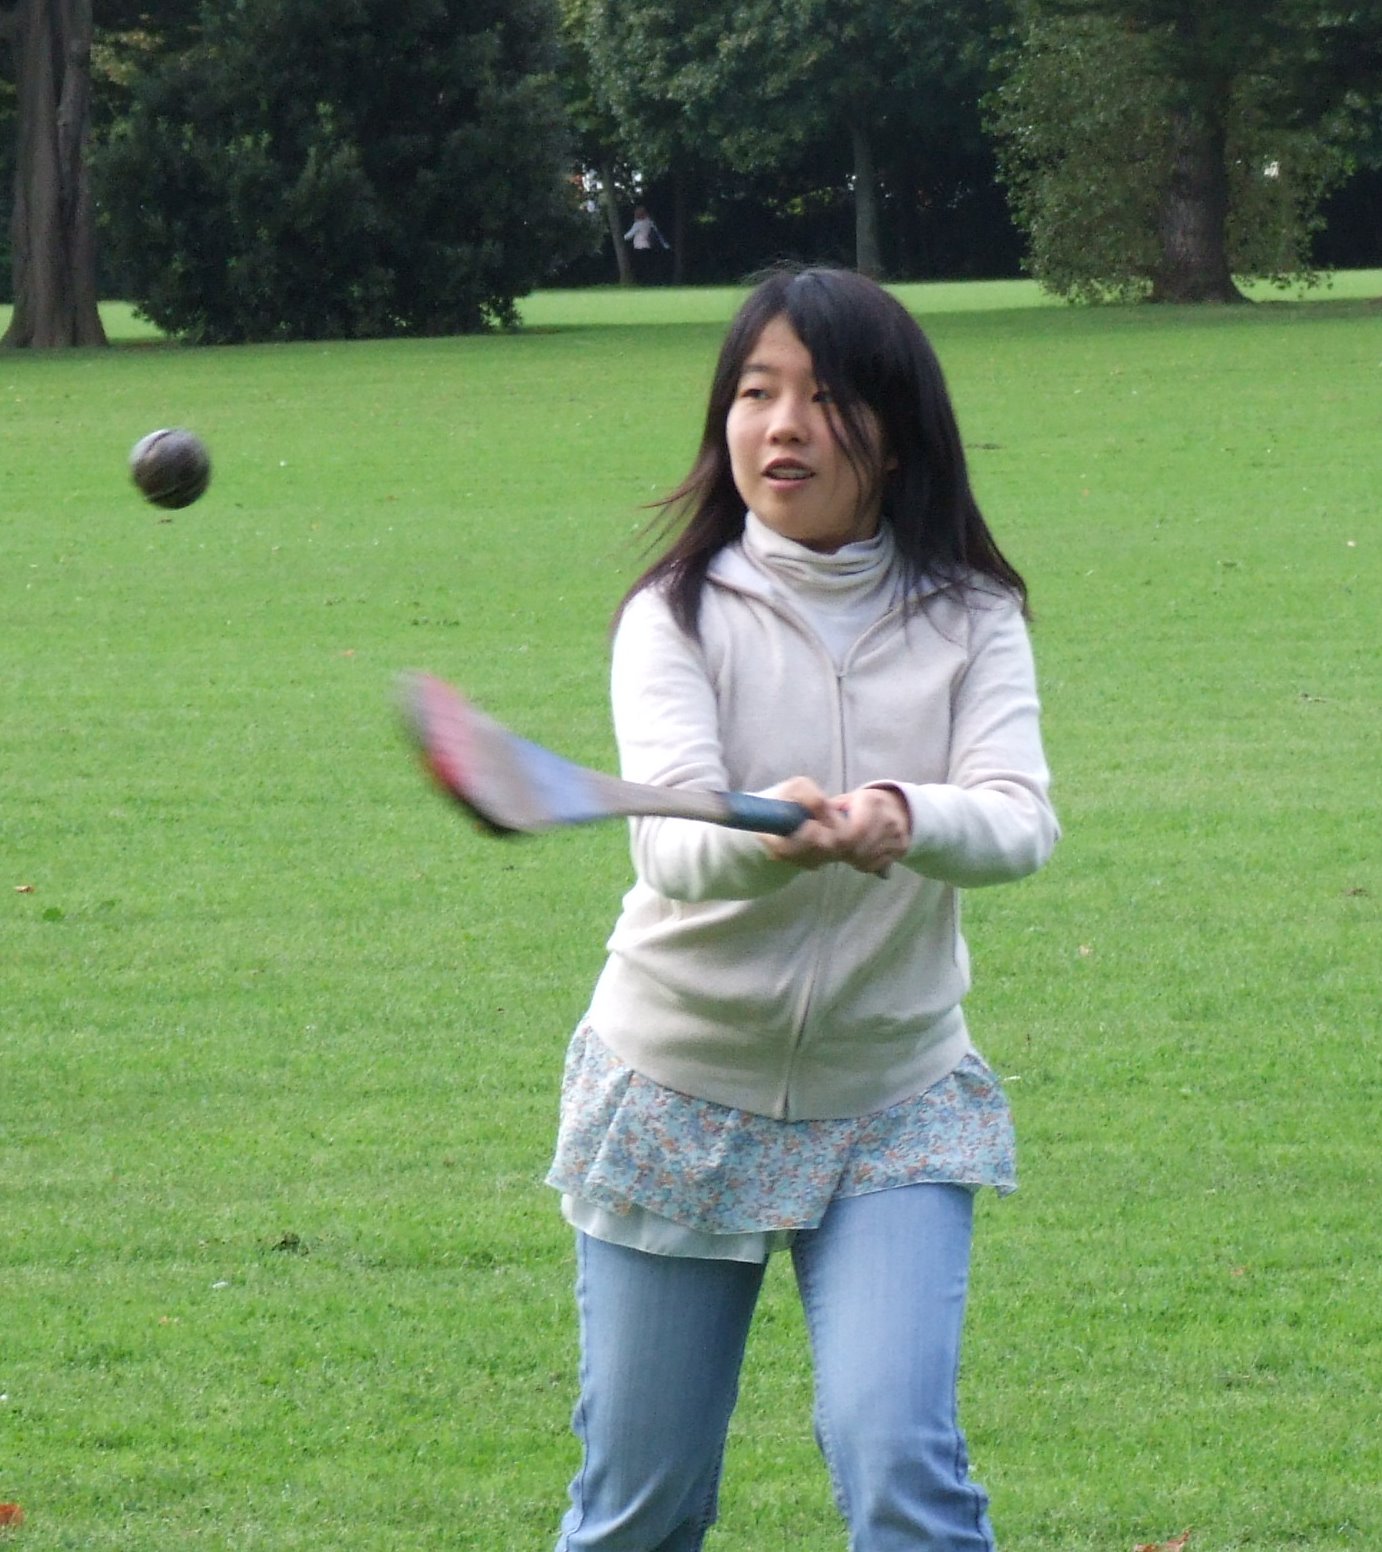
(857, 567)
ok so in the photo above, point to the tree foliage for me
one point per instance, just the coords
(293, 176)
(877, 74)
(771, 86)
(598, 143)
(654, 72)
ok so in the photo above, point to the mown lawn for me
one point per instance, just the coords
(281, 1037)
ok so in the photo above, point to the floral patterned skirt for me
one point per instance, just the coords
(627, 1144)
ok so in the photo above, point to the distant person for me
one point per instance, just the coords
(776, 1056)
(648, 245)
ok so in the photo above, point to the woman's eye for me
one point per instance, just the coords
(823, 396)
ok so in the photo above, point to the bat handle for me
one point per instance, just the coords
(768, 816)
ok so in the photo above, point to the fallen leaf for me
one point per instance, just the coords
(1086, 950)
(1176, 1544)
(23, 889)
(11, 1514)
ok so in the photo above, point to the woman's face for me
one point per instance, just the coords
(789, 464)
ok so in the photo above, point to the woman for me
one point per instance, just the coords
(775, 1055)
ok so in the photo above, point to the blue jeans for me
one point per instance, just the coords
(882, 1283)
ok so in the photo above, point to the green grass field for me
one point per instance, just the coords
(281, 1037)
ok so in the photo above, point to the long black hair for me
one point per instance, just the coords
(872, 356)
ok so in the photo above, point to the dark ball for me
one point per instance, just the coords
(172, 467)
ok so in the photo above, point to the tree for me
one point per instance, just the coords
(880, 73)
(597, 138)
(1158, 147)
(7, 147)
(653, 68)
(52, 224)
(289, 178)
(67, 74)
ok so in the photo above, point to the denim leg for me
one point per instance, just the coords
(883, 1282)
(662, 1342)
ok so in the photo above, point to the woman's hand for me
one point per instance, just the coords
(869, 828)
(875, 828)
(817, 841)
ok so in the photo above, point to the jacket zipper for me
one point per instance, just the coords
(823, 915)
(804, 1000)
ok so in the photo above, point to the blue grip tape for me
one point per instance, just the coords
(769, 816)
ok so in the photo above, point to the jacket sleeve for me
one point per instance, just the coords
(992, 820)
(666, 723)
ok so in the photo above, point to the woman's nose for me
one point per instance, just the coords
(788, 421)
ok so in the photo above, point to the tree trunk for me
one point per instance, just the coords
(1194, 214)
(867, 258)
(681, 228)
(610, 200)
(53, 232)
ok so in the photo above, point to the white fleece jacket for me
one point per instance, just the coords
(744, 980)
